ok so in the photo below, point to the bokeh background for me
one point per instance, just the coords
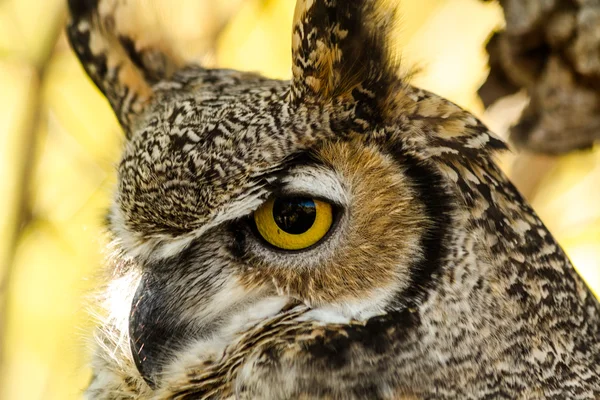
(59, 142)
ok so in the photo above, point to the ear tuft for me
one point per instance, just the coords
(120, 56)
(82, 8)
(341, 50)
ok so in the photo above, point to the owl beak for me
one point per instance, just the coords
(153, 336)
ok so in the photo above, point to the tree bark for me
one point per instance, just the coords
(551, 49)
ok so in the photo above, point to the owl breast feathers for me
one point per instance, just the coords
(341, 235)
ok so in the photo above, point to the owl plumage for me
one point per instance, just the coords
(434, 280)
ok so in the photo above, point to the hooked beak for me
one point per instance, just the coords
(153, 334)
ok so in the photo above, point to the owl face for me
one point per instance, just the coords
(342, 218)
(218, 236)
(234, 189)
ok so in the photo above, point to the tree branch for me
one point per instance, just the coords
(550, 48)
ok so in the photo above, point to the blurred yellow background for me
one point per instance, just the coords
(59, 142)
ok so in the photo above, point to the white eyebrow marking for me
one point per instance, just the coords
(161, 246)
(315, 181)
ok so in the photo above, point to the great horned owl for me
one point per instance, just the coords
(341, 235)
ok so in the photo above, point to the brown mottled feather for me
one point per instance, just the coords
(437, 279)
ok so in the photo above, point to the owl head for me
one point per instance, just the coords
(343, 194)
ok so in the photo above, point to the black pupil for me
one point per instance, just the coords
(294, 215)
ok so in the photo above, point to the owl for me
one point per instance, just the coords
(341, 235)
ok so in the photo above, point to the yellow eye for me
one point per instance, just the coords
(293, 223)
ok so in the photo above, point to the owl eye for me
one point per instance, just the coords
(293, 223)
